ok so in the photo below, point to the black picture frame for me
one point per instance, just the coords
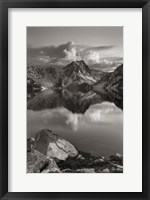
(4, 6)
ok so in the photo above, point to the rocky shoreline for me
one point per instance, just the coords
(49, 153)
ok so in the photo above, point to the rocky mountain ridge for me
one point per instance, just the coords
(77, 76)
(111, 81)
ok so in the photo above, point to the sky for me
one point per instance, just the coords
(99, 47)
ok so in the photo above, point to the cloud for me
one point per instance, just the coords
(52, 54)
(108, 64)
(70, 51)
(65, 53)
(91, 57)
(100, 48)
(44, 59)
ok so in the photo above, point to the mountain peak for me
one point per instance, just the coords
(81, 62)
(76, 67)
(78, 62)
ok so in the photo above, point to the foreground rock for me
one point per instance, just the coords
(53, 146)
(51, 167)
(38, 162)
(117, 158)
(30, 144)
(106, 170)
(86, 163)
(48, 153)
(85, 170)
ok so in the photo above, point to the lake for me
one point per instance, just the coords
(96, 127)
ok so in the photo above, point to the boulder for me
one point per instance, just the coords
(80, 157)
(38, 162)
(97, 170)
(35, 161)
(105, 170)
(51, 167)
(116, 157)
(102, 157)
(86, 170)
(30, 144)
(99, 161)
(116, 170)
(53, 146)
(67, 170)
(118, 166)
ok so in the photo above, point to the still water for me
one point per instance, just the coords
(98, 130)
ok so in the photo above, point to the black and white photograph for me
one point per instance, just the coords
(74, 99)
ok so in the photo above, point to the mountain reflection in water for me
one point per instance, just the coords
(76, 102)
(92, 122)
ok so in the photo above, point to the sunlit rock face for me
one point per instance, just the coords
(53, 146)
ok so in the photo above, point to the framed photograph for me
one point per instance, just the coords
(74, 99)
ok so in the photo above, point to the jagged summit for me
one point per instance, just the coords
(76, 66)
(77, 72)
(81, 63)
